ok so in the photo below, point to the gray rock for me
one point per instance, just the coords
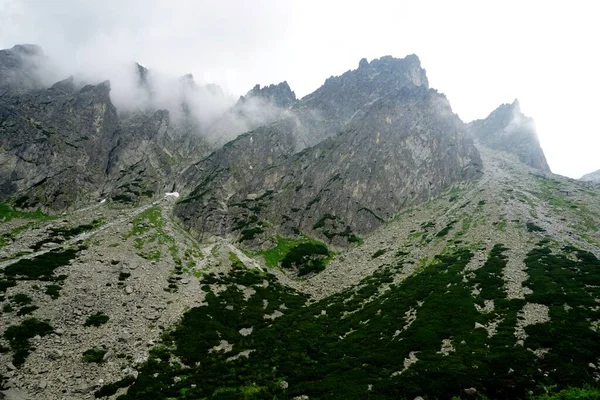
(55, 354)
(508, 129)
(412, 147)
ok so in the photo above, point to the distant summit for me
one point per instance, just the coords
(508, 129)
(591, 177)
(279, 95)
(20, 68)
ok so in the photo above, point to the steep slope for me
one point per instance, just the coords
(67, 146)
(398, 150)
(486, 288)
(508, 129)
(55, 144)
(591, 177)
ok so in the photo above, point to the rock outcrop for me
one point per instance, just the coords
(508, 129)
(64, 147)
(399, 149)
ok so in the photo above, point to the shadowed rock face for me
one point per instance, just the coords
(337, 162)
(398, 150)
(65, 147)
(592, 177)
(508, 129)
(278, 95)
(56, 144)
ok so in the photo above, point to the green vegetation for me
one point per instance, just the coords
(26, 310)
(10, 237)
(18, 337)
(112, 388)
(7, 213)
(149, 232)
(378, 253)
(41, 267)
(276, 254)
(336, 347)
(446, 229)
(96, 319)
(306, 258)
(585, 393)
(531, 227)
(94, 355)
(21, 299)
(53, 291)
(337, 228)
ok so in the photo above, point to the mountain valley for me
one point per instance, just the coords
(360, 242)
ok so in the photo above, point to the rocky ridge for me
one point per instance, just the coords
(508, 129)
(591, 177)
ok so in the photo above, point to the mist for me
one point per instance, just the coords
(469, 50)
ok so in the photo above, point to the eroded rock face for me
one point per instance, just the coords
(55, 144)
(508, 129)
(398, 150)
(65, 147)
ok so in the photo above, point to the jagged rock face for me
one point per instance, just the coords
(508, 129)
(150, 153)
(279, 95)
(260, 106)
(327, 110)
(55, 144)
(20, 68)
(65, 147)
(592, 177)
(398, 150)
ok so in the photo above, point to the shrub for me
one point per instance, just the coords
(96, 319)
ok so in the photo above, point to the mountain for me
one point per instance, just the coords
(591, 177)
(65, 147)
(20, 68)
(363, 242)
(259, 107)
(508, 129)
(398, 150)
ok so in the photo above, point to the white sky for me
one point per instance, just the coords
(479, 53)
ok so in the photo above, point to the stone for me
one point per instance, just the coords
(471, 391)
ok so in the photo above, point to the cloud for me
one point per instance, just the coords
(469, 50)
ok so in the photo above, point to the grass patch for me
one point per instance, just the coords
(8, 213)
(306, 258)
(274, 255)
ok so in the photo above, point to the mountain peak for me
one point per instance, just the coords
(28, 49)
(508, 129)
(280, 95)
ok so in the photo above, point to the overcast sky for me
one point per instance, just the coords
(479, 53)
